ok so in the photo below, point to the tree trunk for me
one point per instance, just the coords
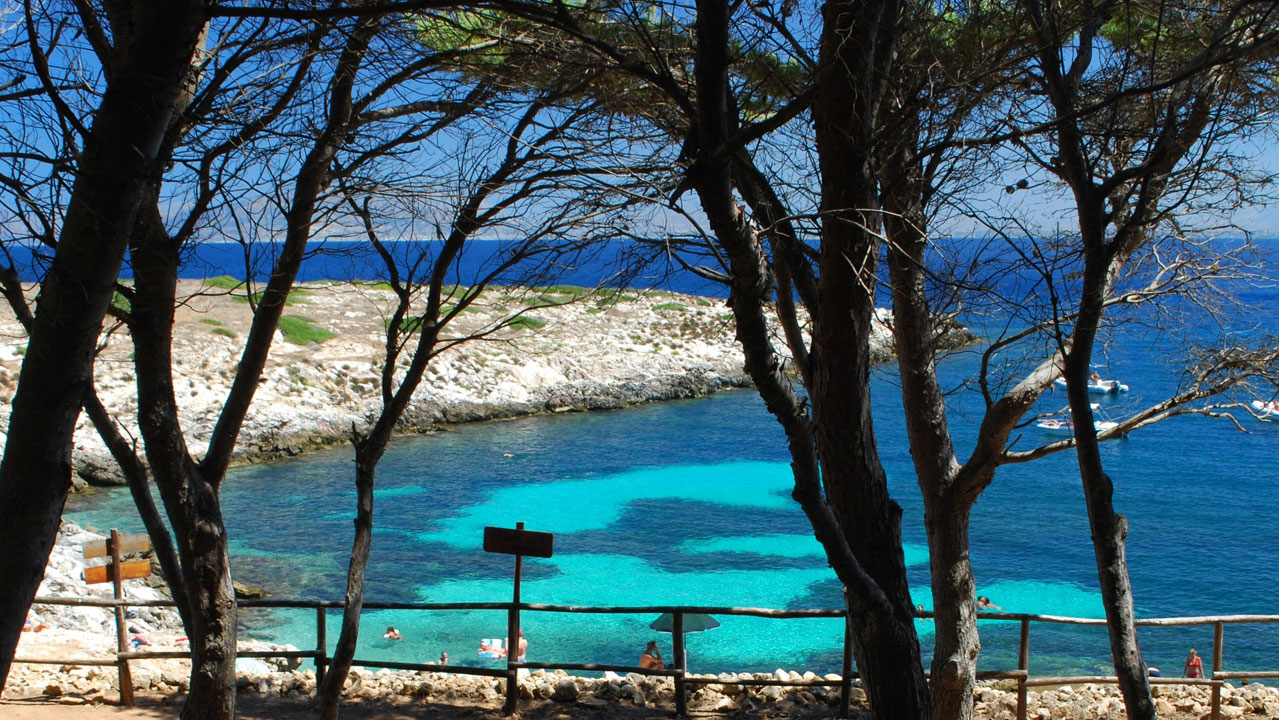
(886, 644)
(330, 693)
(203, 549)
(190, 497)
(857, 522)
(1109, 529)
(957, 642)
(114, 169)
(858, 47)
(947, 492)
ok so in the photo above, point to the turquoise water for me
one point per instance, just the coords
(688, 503)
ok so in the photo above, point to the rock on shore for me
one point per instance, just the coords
(574, 349)
(90, 632)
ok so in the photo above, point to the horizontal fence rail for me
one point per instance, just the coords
(679, 673)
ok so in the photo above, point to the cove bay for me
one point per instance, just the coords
(687, 502)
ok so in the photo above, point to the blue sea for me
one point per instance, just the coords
(688, 503)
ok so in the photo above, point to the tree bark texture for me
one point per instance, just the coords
(858, 47)
(117, 164)
(330, 693)
(855, 520)
(948, 494)
(1109, 529)
(190, 497)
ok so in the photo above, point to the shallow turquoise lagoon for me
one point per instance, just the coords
(688, 503)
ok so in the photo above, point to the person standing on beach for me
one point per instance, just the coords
(1194, 666)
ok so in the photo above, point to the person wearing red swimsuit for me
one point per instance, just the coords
(1194, 666)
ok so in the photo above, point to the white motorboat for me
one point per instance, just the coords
(1098, 386)
(1065, 427)
(1266, 410)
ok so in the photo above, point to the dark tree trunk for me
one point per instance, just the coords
(956, 643)
(948, 493)
(135, 471)
(190, 498)
(368, 452)
(190, 490)
(856, 521)
(858, 47)
(114, 170)
(330, 693)
(1109, 529)
(886, 645)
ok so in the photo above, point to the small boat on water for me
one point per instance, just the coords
(1266, 410)
(1098, 386)
(1065, 427)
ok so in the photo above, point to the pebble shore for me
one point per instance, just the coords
(80, 632)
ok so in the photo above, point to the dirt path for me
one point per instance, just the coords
(254, 707)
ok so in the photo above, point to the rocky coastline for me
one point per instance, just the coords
(572, 349)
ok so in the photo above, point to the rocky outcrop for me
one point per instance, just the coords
(572, 350)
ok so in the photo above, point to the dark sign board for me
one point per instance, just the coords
(517, 542)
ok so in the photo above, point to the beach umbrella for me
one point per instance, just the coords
(693, 622)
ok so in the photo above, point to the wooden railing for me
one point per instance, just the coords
(681, 676)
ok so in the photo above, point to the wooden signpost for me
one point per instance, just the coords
(518, 542)
(116, 572)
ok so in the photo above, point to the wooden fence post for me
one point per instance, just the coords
(1218, 641)
(121, 624)
(677, 647)
(1023, 663)
(846, 670)
(321, 645)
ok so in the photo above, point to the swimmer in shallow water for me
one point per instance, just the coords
(984, 603)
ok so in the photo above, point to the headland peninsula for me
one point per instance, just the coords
(571, 349)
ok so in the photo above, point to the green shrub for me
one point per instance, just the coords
(223, 332)
(301, 331)
(703, 302)
(408, 324)
(670, 306)
(223, 282)
(527, 322)
(612, 297)
(120, 301)
(573, 292)
(211, 321)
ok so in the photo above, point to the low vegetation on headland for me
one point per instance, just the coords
(571, 349)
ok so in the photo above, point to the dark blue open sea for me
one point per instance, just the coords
(688, 503)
